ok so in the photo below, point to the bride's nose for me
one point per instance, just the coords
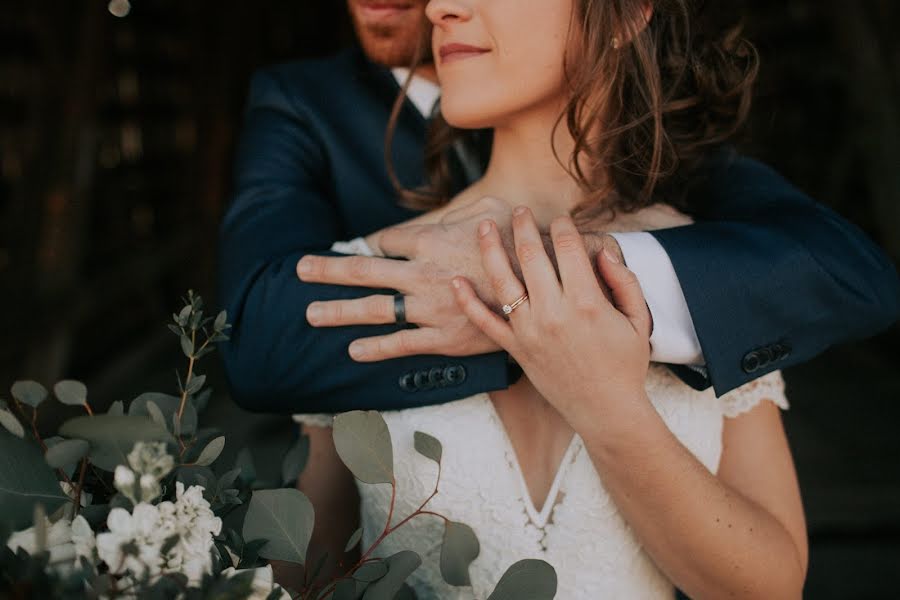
(445, 12)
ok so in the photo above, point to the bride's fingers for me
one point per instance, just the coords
(537, 270)
(626, 292)
(507, 287)
(575, 269)
(482, 317)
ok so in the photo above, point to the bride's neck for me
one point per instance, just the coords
(524, 171)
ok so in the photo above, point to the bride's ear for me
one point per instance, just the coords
(636, 27)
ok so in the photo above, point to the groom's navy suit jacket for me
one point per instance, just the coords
(771, 278)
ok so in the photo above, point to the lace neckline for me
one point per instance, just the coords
(539, 518)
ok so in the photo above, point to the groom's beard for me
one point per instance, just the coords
(393, 42)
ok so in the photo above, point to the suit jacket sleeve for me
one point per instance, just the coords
(281, 210)
(773, 278)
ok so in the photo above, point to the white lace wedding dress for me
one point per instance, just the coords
(579, 530)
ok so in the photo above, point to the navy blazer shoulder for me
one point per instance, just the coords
(771, 277)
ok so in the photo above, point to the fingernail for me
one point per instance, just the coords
(357, 350)
(610, 256)
(484, 228)
(304, 267)
(520, 210)
(313, 313)
(456, 283)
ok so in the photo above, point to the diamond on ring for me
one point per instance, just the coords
(508, 308)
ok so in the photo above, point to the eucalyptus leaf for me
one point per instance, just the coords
(73, 393)
(285, 519)
(428, 446)
(221, 321)
(370, 571)
(11, 423)
(187, 346)
(183, 316)
(156, 414)
(112, 437)
(211, 452)
(529, 578)
(63, 454)
(31, 393)
(459, 548)
(363, 442)
(347, 589)
(25, 479)
(400, 566)
(195, 383)
(169, 405)
(405, 593)
(295, 460)
(116, 409)
(354, 540)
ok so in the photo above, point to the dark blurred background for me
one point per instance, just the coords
(117, 126)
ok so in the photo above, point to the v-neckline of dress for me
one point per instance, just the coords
(540, 518)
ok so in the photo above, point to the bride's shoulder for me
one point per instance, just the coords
(658, 216)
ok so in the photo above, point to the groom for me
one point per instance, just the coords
(765, 279)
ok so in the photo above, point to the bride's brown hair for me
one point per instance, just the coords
(648, 102)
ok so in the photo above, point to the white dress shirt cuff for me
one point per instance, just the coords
(674, 339)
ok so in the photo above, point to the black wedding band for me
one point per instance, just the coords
(400, 309)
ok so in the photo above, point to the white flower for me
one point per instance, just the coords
(124, 479)
(263, 583)
(59, 543)
(83, 538)
(135, 541)
(151, 458)
(150, 488)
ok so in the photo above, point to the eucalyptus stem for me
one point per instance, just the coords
(80, 486)
(190, 374)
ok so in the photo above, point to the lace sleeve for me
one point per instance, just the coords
(315, 420)
(769, 387)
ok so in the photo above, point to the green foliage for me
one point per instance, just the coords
(10, 422)
(285, 519)
(112, 438)
(73, 393)
(363, 442)
(25, 481)
(31, 393)
(211, 452)
(428, 446)
(157, 442)
(459, 548)
(529, 578)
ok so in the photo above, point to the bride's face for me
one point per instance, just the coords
(499, 58)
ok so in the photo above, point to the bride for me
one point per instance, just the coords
(614, 471)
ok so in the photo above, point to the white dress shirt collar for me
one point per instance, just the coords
(422, 93)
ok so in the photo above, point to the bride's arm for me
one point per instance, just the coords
(741, 534)
(737, 535)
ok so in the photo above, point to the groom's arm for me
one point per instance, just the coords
(281, 211)
(773, 278)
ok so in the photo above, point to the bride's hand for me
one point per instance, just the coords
(578, 349)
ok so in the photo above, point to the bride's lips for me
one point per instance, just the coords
(453, 52)
(381, 10)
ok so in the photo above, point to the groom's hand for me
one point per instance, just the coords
(435, 255)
